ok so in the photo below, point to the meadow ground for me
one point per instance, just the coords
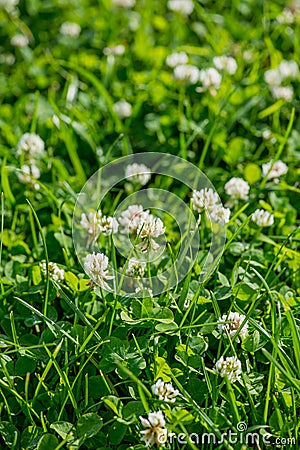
(160, 307)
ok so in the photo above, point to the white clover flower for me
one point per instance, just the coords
(219, 214)
(278, 169)
(124, 3)
(273, 77)
(286, 17)
(70, 29)
(32, 145)
(237, 188)
(7, 58)
(135, 268)
(155, 432)
(29, 175)
(91, 222)
(176, 59)
(226, 63)
(152, 227)
(132, 218)
(123, 109)
(184, 7)
(19, 40)
(108, 225)
(288, 69)
(230, 366)
(165, 391)
(55, 273)
(283, 92)
(115, 50)
(234, 321)
(187, 73)
(96, 265)
(9, 4)
(138, 173)
(204, 199)
(143, 288)
(210, 79)
(262, 218)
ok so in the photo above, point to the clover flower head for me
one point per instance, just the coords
(123, 109)
(126, 4)
(210, 78)
(70, 29)
(155, 432)
(237, 188)
(132, 218)
(230, 367)
(96, 266)
(19, 40)
(229, 324)
(135, 268)
(115, 50)
(283, 92)
(91, 222)
(273, 77)
(165, 391)
(184, 7)
(32, 145)
(262, 218)
(176, 59)
(138, 173)
(29, 175)
(55, 273)
(219, 214)
(204, 199)
(108, 225)
(278, 169)
(288, 69)
(226, 63)
(186, 73)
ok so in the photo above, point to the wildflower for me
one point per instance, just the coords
(176, 59)
(29, 175)
(204, 199)
(165, 391)
(273, 77)
(9, 4)
(234, 321)
(184, 7)
(288, 69)
(262, 218)
(115, 50)
(132, 218)
(19, 40)
(278, 168)
(186, 72)
(138, 173)
(286, 17)
(152, 227)
(143, 288)
(55, 273)
(237, 188)
(210, 79)
(108, 225)
(219, 214)
(32, 145)
(135, 268)
(95, 265)
(123, 109)
(230, 366)
(124, 3)
(70, 29)
(91, 222)
(283, 92)
(269, 136)
(226, 63)
(155, 432)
